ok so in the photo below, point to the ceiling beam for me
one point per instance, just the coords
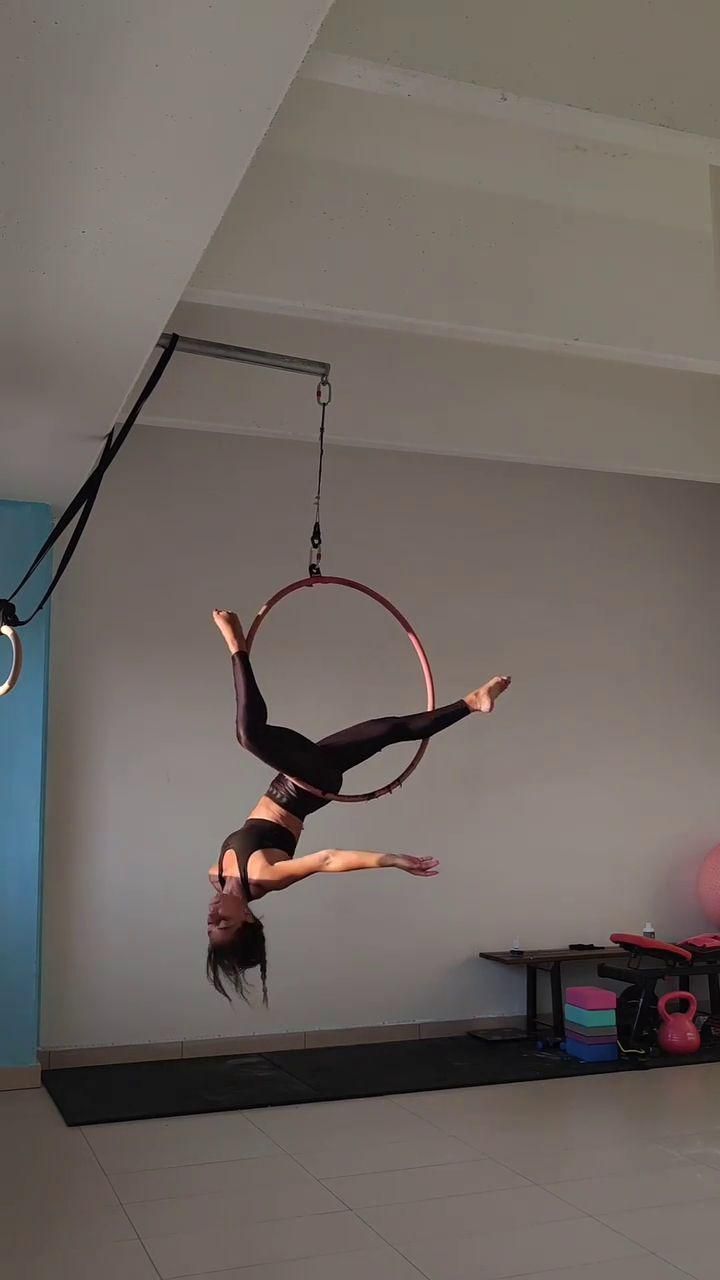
(445, 329)
(497, 104)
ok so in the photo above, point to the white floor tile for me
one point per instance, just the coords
(222, 1211)
(30, 1170)
(663, 1122)
(121, 1261)
(571, 1132)
(703, 1147)
(354, 1156)
(581, 1113)
(504, 1096)
(208, 1179)
(249, 1244)
(456, 1216)
(37, 1144)
(30, 1225)
(685, 1235)
(328, 1124)
(365, 1264)
(472, 1184)
(452, 1104)
(496, 1255)
(545, 1167)
(641, 1190)
(431, 1182)
(159, 1144)
(29, 1109)
(644, 1267)
(518, 1103)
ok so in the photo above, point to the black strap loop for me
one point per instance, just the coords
(84, 499)
(8, 616)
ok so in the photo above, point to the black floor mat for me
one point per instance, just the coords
(178, 1087)
(148, 1090)
(410, 1066)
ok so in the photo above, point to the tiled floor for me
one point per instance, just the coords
(597, 1178)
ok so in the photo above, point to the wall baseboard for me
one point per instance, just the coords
(105, 1055)
(20, 1077)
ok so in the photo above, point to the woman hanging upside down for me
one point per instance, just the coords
(257, 859)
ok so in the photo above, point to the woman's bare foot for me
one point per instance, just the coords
(484, 699)
(230, 628)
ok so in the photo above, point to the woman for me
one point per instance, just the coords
(257, 859)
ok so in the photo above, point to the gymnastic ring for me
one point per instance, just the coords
(415, 642)
(17, 659)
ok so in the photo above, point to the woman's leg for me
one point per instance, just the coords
(322, 764)
(352, 746)
(283, 749)
(280, 748)
(360, 742)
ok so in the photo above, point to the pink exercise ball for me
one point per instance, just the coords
(708, 885)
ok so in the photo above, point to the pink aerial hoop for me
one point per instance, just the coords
(319, 581)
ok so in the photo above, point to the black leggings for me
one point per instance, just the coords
(323, 763)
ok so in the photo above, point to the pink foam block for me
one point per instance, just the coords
(593, 998)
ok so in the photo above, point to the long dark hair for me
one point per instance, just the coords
(247, 950)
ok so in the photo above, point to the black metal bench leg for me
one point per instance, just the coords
(557, 1001)
(531, 1001)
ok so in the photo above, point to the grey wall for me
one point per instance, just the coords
(583, 805)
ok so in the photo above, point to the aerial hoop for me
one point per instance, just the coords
(17, 659)
(320, 581)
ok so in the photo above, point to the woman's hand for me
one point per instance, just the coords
(414, 866)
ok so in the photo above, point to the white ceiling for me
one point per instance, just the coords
(490, 274)
(498, 221)
(369, 206)
(650, 60)
(127, 128)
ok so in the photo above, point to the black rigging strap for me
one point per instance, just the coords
(82, 504)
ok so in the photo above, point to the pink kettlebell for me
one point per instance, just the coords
(678, 1033)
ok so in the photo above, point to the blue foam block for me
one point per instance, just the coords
(591, 1052)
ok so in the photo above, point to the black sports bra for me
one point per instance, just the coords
(256, 833)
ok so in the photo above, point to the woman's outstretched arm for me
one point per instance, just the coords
(280, 875)
(357, 860)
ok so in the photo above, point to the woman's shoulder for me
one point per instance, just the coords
(260, 858)
(234, 863)
(260, 869)
(253, 865)
(230, 866)
(273, 855)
